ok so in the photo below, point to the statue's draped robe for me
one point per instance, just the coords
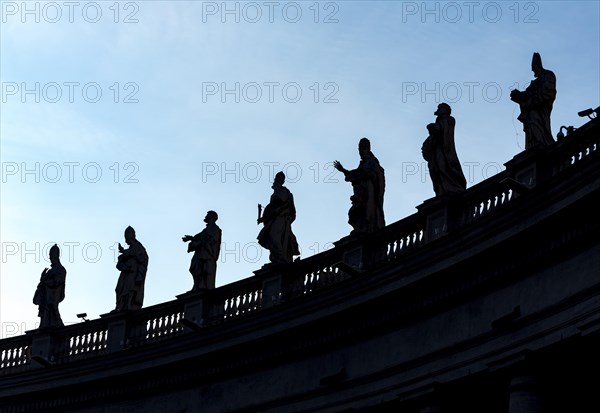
(536, 105)
(368, 184)
(206, 246)
(277, 235)
(440, 153)
(49, 293)
(133, 264)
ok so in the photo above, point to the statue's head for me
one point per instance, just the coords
(443, 109)
(364, 148)
(211, 216)
(54, 254)
(279, 180)
(536, 64)
(129, 235)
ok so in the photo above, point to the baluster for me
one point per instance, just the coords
(307, 283)
(83, 344)
(79, 348)
(241, 303)
(11, 358)
(245, 303)
(311, 282)
(164, 325)
(230, 306)
(151, 328)
(71, 349)
(477, 211)
(249, 297)
(96, 341)
(160, 326)
(169, 323)
(396, 249)
(87, 343)
(100, 340)
(174, 321)
(236, 305)
(492, 203)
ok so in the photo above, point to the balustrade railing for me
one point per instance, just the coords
(277, 284)
(154, 324)
(234, 300)
(15, 354)
(575, 148)
(81, 340)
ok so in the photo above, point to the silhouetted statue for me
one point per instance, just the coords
(206, 246)
(440, 153)
(368, 184)
(133, 264)
(276, 234)
(51, 291)
(536, 105)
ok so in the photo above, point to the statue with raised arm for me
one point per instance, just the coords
(536, 105)
(206, 246)
(133, 264)
(440, 153)
(368, 185)
(276, 234)
(51, 291)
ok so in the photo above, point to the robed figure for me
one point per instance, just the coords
(368, 187)
(133, 264)
(440, 153)
(51, 291)
(536, 105)
(276, 234)
(206, 247)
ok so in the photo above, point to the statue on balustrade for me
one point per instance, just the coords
(440, 153)
(133, 264)
(276, 234)
(536, 103)
(206, 246)
(51, 291)
(368, 185)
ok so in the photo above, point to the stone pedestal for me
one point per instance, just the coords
(442, 214)
(524, 169)
(195, 309)
(44, 346)
(117, 331)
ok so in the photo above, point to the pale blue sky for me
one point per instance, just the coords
(372, 66)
